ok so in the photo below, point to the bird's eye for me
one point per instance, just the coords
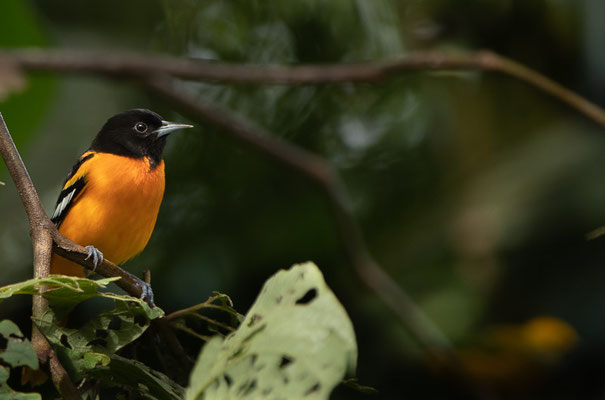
(140, 127)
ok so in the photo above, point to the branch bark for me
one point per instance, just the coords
(137, 65)
(40, 233)
(162, 69)
(78, 254)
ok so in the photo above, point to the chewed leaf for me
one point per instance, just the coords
(151, 384)
(295, 342)
(91, 345)
(101, 336)
(6, 392)
(18, 351)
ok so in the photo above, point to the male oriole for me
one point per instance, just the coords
(111, 198)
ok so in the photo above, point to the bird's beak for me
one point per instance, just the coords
(168, 127)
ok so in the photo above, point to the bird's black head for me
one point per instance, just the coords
(137, 133)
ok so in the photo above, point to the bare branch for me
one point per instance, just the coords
(137, 65)
(321, 173)
(140, 66)
(78, 254)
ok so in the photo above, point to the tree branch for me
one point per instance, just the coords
(78, 254)
(139, 66)
(321, 173)
(42, 243)
(136, 65)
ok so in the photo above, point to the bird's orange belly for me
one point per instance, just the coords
(117, 210)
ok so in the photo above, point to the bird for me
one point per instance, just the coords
(110, 199)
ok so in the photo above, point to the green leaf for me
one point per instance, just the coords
(6, 393)
(19, 351)
(94, 360)
(105, 333)
(152, 384)
(296, 341)
(90, 346)
(68, 291)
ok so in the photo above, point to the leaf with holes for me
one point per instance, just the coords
(296, 342)
(18, 352)
(136, 375)
(6, 392)
(89, 347)
(104, 334)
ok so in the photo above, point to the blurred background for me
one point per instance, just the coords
(474, 191)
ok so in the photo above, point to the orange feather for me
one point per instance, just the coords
(116, 211)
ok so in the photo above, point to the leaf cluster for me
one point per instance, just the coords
(296, 341)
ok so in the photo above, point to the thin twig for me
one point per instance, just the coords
(194, 308)
(212, 321)
(191, 332)
(137, 65)
(42, 244)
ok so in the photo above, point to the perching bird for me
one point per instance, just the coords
(111, 198)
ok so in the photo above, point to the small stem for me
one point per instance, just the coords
(212, 321)
(178, 313)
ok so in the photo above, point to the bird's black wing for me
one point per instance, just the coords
(72, 187)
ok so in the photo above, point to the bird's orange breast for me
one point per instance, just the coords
(117, 209)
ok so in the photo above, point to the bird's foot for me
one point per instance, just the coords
(97, 256)
(146, 291)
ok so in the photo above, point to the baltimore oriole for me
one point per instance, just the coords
(111, 198)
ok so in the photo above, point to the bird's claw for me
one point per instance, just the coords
(97, 256)
(146, 291)
(97, 259)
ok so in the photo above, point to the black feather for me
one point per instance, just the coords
(75, 187)
(118, 136)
